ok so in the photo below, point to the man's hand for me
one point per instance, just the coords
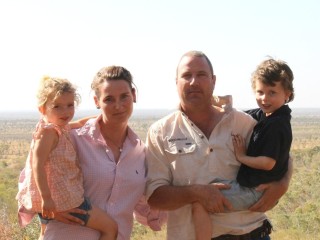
(211, 198)
(272, 193)
(66, 217)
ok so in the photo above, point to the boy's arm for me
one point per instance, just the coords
(42, 148)
(260, 162)
(80, 122)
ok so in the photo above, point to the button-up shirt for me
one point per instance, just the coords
(179, 154)
(115, 187)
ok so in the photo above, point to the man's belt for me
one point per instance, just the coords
(259, 232)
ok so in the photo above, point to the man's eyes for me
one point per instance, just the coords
(198, 75)
(186, 76)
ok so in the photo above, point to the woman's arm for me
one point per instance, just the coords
(44, 144)
(80, 122)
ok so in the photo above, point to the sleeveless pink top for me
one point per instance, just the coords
(64, 175)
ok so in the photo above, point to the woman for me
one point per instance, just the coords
(112, 158)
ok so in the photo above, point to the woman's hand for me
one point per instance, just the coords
(66, 216)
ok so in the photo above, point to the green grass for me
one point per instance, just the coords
(297, 216)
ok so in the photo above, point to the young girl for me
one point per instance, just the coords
(53, 181)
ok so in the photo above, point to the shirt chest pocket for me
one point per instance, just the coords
(180, 148)
(183, 160)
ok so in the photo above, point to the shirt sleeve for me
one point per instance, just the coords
(158, 171)
(276, 141)
(149, 217)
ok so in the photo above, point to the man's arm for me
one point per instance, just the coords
(273, 191)
(173, 197)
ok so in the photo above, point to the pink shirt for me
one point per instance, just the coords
(117, 188)
(64, 176)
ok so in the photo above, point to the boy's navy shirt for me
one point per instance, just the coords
(271, 137)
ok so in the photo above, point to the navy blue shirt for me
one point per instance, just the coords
(271, 137)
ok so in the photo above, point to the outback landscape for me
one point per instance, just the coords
(297, 215)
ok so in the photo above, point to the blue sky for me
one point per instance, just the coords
(75, 38)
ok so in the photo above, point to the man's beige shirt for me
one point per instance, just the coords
(179, 154)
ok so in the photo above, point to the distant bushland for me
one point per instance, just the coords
(297, 215)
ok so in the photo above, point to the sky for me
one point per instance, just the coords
(73, 39)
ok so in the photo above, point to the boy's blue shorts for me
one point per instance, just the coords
(86, 205)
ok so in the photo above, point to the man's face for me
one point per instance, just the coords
(195, 82)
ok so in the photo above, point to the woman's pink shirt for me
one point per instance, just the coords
(116, 187)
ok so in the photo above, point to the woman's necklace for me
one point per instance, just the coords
(120, 148)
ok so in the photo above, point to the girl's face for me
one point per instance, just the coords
(60, 110)
(116, 101)
(270, 98)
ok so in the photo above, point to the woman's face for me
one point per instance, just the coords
(116, 101)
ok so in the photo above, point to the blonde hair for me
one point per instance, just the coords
(51, 87)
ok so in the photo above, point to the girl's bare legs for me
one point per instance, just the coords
(103, 223)
(202, 222)
(42, 229)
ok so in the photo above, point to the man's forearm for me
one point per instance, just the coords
(172, 197)
(287, 177)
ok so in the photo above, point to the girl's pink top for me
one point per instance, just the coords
(116, 187)
(64, 176)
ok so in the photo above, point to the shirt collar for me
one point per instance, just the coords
(92, 129)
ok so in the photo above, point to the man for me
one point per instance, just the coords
(191, 148)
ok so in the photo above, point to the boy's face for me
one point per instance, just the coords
(270, 98)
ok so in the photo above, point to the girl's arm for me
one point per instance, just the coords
(261, 162)
(80, 122)
(46, 142)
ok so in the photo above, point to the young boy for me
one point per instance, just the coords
(266, 158)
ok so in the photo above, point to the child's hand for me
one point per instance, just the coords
(48, 208)
(239, 146)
